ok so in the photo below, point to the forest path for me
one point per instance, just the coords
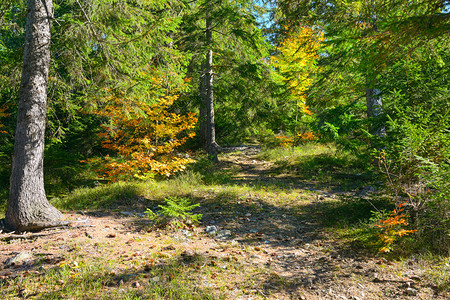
(262, 237)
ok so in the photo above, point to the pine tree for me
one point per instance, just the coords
(28, 207)
(222, 35)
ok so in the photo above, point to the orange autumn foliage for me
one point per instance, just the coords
(391, 228)
(285, 141)
(307, 136)
(289, 141)
(3, 114)
(144, 138)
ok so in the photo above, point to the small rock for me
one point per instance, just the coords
(376, 279)
(211, 229)
(224, 234)
(127, 213)
(136, 284)
(19, 258)
(253, 230)
(255, 256)
(410, 292)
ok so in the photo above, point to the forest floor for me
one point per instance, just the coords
(274, 232)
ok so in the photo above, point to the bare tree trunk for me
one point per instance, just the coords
(374, 102)
(203, 134)
(207, 92)
(374, 105)
(28, 208)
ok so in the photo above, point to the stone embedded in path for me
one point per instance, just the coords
(410, 292)
(223, 234)
(127, 213)
(20, 257)
(211, 230)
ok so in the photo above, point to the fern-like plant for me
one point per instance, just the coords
(175, 213)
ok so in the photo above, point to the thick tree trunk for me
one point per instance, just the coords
(28, 208)
(207, 92)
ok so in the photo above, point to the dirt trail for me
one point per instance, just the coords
(298, 260)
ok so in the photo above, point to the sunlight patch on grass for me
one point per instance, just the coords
(293, 153)
(103, 196)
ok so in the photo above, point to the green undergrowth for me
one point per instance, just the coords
(136, 194)
(177, 277)
(325, 165)
(294, 153)
(108, 196)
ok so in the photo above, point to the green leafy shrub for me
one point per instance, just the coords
(415, 160)
(175, 213)
(434, 221)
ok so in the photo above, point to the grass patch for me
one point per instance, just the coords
(436, 270)
(349, 220)
(103, 197)
(293, 153)
(179, 277)
(347, 211)
(323, 164)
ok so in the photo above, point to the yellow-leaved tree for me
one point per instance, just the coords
(142, 136)
(295, 62)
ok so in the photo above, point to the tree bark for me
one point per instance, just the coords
(28, 207)
(207, 93)
(374, 103)
(374, 106)
(203, 113)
